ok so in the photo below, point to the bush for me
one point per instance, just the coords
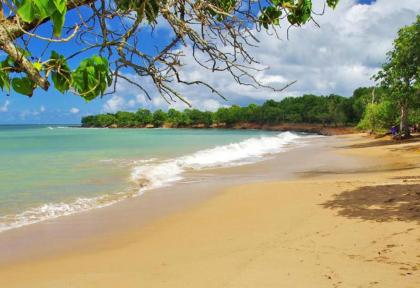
(379, 117)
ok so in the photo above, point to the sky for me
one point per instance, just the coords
(341, 55)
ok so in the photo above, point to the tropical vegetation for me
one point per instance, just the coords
(327, 110)
(400, 77)
(369, 108)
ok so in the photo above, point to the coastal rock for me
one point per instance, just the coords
(168, 125)
(218, 125)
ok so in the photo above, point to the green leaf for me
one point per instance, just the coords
(270, 15)
(58, 21)
(23, 86)
(8, 62)
(27, 11)
(45, 8)
(150, 8)
(60, 5)
(61, 74)
(332, 3)
(224, 5)
(301, 14)
(30, 10)
(92, 77)
(61, 82)
(4, 77)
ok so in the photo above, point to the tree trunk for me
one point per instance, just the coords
(404, 129)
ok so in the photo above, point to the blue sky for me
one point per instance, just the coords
(336, 58)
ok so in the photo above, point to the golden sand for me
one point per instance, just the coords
(331, 229)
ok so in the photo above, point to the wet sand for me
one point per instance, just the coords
(88, 229)
(345, 214)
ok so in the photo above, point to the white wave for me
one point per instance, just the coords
(58, 127)
(55, 210)
(151, 173)
(160, 174)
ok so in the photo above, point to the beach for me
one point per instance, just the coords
(345, 215)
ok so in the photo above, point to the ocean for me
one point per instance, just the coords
(48, 171)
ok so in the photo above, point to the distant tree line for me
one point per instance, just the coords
(311, 109)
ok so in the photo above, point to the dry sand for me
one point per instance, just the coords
(338, 228)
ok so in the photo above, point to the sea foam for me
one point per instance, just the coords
(154, 173)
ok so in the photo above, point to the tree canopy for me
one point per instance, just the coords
(311, 109)
(370, 108)
(109, 37)
(400, 75)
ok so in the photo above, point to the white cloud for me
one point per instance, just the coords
(341, 55)
(31, 113)
(5, 106)
(338, 57)
(74, 110)
(115, 104)
(209, 105)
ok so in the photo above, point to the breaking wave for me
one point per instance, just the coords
(154, 173)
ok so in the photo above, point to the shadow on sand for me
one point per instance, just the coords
(396, 202)
(386, 142)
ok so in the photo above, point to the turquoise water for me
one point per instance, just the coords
(48, 171)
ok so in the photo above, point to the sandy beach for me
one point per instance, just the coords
(327, 226)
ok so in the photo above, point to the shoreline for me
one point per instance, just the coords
(319, 129)
(155, 173)
(27, 241)
(309, 231)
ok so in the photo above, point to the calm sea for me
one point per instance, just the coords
(51, 171)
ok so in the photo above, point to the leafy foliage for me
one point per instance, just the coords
(30, 10)
(368, 107)
(159, 118)
(328, 110)
(400, 75)
(302, 13)
(414, 116)
(270, 16)
(148, 8)
(378, 117)
(332, 3)
(111, 29)
(23, 85)
(222, 5)
(92, 77)
(4, 77)
(61, 73)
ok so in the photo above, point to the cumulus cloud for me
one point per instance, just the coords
(115, 104)
(74, 110)
(344, 52)
(5, 106)
(130, 101)
(337, 57)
